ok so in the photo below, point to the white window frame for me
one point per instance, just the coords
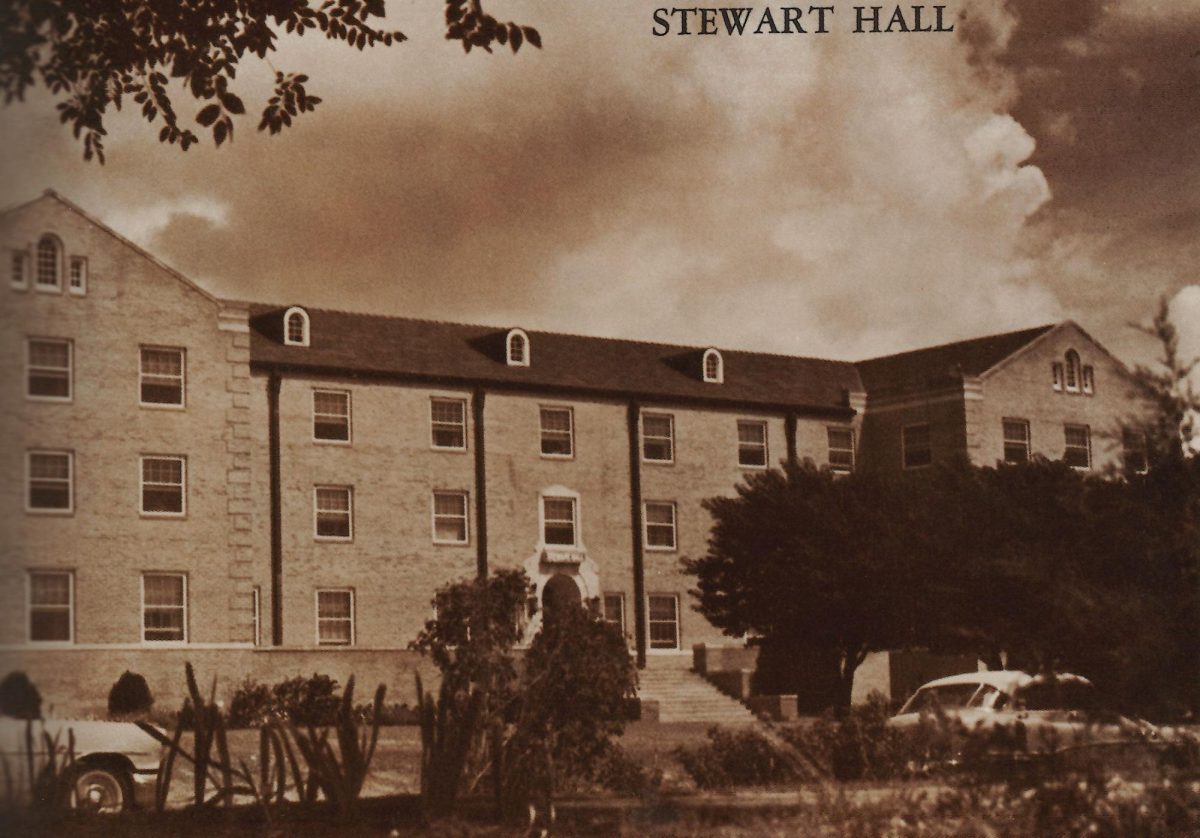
(29, 369)
(142, 375)
(82, 263)
(1057, 376)
(465, 517)
(30, 606)
(435, 423)
(349, 511)
(620, 598)
(650, 622)
(555, 433)
(1074, 368)
(319, 619)
(1006, 440)
(573, 499)
(717, 377)
(38, 510)
(21, 257)
(1087, 379)
(670, 438)
(348, 416)
(183, 609)
(57, 287)
(306, 334)
(256, 606)
(840, 467)
(1087, 431)
(523, 361)
(646, 525)
(904, 431)
(1142, 448)
(754, 446)
(183, 492)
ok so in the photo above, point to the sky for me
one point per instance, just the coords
(837, 195)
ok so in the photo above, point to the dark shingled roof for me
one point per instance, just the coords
(392, 347)
(936, 366)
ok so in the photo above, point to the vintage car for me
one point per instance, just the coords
(112, 766)
(1012, 714)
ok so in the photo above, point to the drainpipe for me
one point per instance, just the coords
(789, 431)
(635, 503)
(273, 383)
(481, 547)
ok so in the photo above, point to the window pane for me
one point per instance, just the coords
(755, 432)
(662, 608)
(49, 353)
(163, 590)
(50, 589)
(162, 362)
(660, 513)
(614, 610)
(50, 625)
(560, 533)
(556, 420)
(334, 603)
(155, 470)
(49, 466)
(336, 404)
(450, 504)
(333, 524)
(448, 411)
(336, 500)
(656, 426)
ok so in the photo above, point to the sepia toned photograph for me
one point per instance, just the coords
(512, 418)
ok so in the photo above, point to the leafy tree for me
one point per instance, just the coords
(129, 695)
(93, 55)
(1169, 388)
(19, 698)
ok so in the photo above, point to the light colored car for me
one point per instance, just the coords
(1062, 714)
(114, 767)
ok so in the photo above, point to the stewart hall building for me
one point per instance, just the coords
(273, 490)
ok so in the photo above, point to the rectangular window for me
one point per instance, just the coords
(51, 607)
(256, 604)
(916, 443)
(658, 437)
(164, 482)
(558, 521)
(335, 618)
(18, 270)
(77, 281)
(557, 432)
(50, 487)
(1078, 452)
(752, 443)
(1056, 376)
(614, 611)
(448, 420)
(48, 366)
(1134, 445)
(164, 607)
(841, 448)
(331, 415)
(659, 521)
(1089, 380)
(664, 621)
(449, 517)
(161, 376)
(334, 509)
(1016, 440)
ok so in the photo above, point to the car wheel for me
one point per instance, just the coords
(99, 790)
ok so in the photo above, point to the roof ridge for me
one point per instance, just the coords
(1034, 331)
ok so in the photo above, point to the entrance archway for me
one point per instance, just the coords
(560, 591)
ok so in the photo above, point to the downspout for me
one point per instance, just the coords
(635, 503)
(789, 431)
(273, 383)
(481, 546)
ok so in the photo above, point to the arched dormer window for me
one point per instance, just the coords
(517, 348)
(714, 367)
(1073, 373)
(295, 327)
(48, 276)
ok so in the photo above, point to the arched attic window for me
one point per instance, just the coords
(1073, 371)
(295, 327)
(714, 367)
(516, 347)
(48, 276)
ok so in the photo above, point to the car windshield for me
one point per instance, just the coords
(945, 697)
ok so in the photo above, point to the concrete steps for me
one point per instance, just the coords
(684, 696)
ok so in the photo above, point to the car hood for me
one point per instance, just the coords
(90, 737)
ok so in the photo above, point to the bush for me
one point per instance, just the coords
(130, 695)
(858, 744)
(19, 698)
(307, 701)
(736, 758)
(621, 773)
(252, 704)
(389, 714)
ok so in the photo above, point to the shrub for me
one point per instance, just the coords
(307, 701)
(619, 772)
(252, 704)
(389, 714)
(19, 698)
(858, 744)
(130, 695)
(736, 758)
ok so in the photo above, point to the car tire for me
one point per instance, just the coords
(99, 789)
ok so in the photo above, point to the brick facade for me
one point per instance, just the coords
(245, 536)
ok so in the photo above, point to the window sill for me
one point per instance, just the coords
(333, 539)
(161, 406)
(340, 442)
(52, 512)
(546, 456)
(439, 543)
(447, 449)
(48, 289)
(650, 549)
(658, 462)
(747, 467)
(51, 644)
(165, 644)
(166, 516)
(50, 399)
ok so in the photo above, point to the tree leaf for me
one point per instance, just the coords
(208, 115)
(232, 103)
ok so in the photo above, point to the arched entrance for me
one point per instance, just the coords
(560, 590)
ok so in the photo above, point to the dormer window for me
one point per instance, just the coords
(517, 348)
(49, 264)
(1089, 380)
(714, 367)
(1073, 373)
(1056, 376)
(295, 327)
